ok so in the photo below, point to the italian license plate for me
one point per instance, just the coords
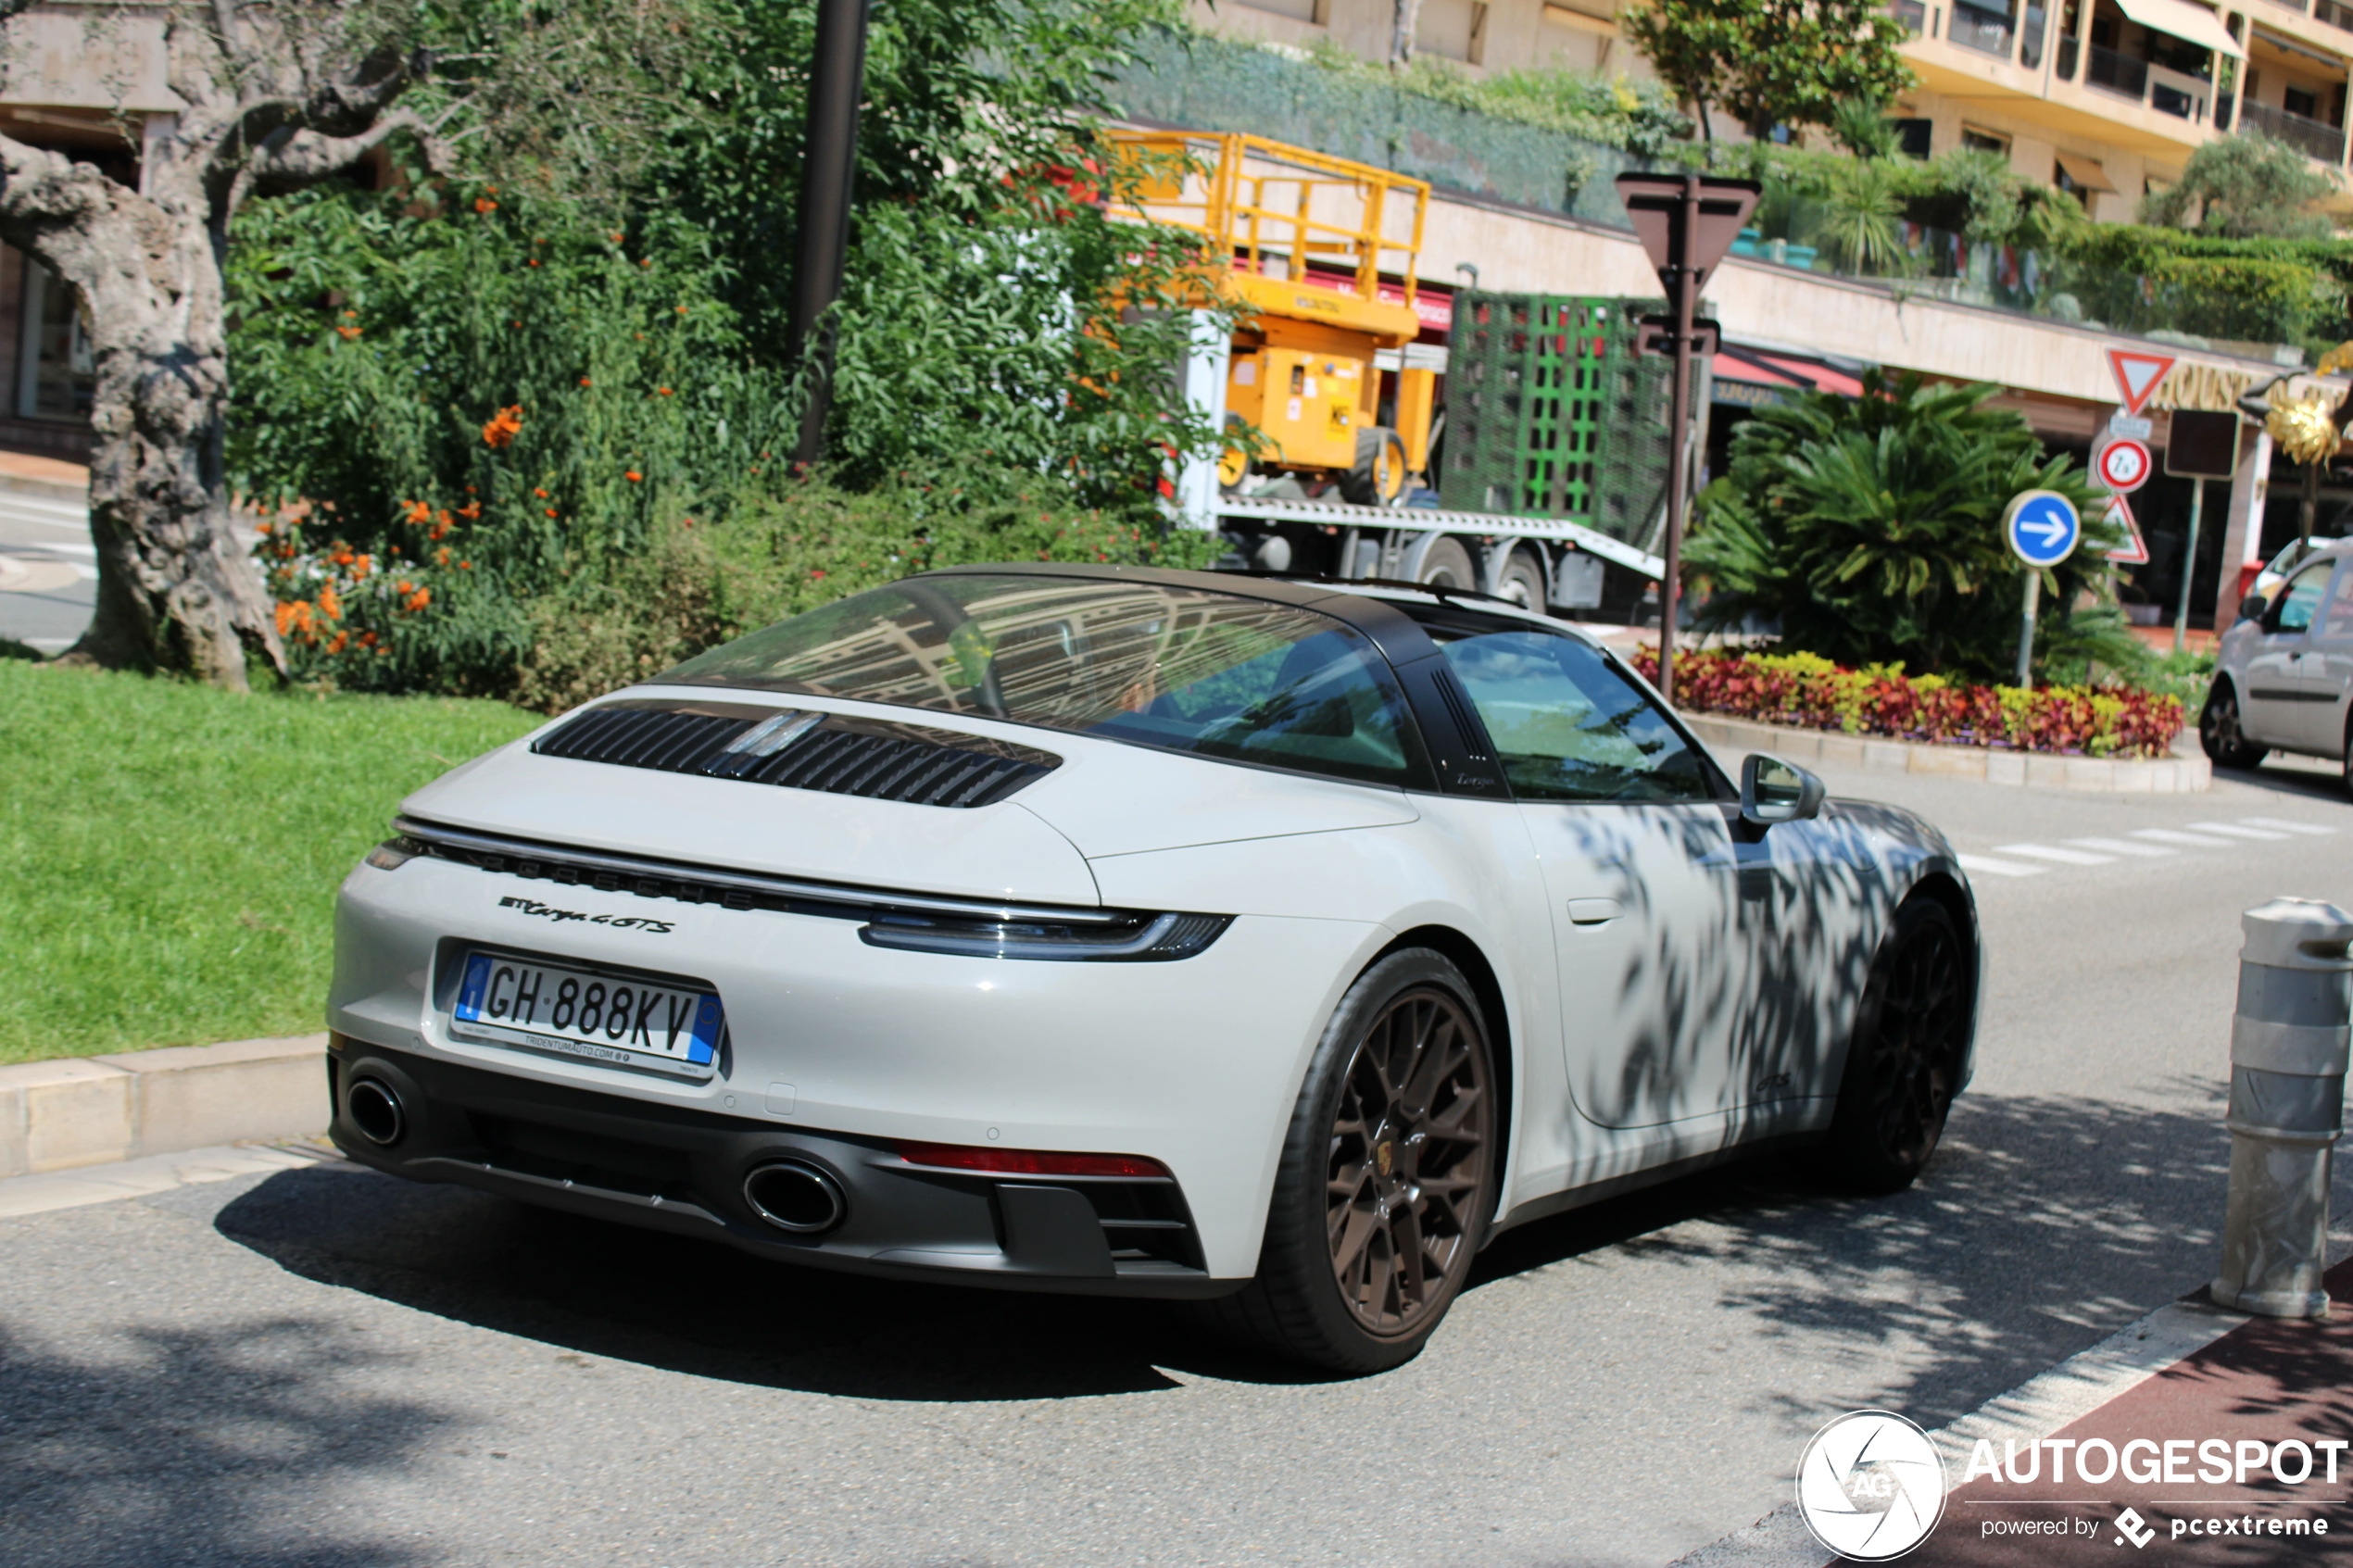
(579, 1012)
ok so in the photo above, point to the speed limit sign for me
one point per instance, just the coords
(2123, 465)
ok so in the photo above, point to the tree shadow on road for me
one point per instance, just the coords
(2044, 1225)
(183, 1448)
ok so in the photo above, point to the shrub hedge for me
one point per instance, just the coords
(1810, 692)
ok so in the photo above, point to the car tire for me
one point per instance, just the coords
(2219, 732)
(2348, 758)
(1522, 582)
(1903, 1063)
(1447, 565)
(1386, 1182)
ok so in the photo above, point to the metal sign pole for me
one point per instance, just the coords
(2026, 629)
(2189, 566)
(837, 80)
(1678, 431)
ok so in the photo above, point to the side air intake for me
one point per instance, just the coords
(794, 749)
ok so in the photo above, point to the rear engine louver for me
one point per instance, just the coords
(797, 749)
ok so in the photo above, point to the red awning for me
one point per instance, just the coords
(1735, 363)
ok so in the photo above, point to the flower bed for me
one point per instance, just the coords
(1809, 692)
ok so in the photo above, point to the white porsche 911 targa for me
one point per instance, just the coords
(1268, 943)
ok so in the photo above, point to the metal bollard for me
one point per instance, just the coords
(2289, 1043)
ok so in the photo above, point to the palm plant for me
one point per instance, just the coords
(1861, 208)
(1871, 529)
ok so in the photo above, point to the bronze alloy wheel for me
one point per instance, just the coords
(1408, 1170)
(1387, 1180)
(1904, 1065)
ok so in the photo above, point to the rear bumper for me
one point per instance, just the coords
(682, 1170)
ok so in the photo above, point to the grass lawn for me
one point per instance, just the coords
(169, 853)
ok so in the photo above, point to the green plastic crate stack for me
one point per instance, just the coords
(1551, 413)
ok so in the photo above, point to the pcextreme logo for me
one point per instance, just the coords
(1871, 1487)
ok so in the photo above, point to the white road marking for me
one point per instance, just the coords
(2120, 846)
(2064, 856)
(2195, 840)
(2234, 831)
(1985, 865)
(68, 545)
(2286, 826)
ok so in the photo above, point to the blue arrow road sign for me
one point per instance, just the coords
(2042, 527)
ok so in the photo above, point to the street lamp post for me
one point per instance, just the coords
(836, 80)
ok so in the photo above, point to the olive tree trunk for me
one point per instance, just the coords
(279, 95)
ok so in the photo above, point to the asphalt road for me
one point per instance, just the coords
(329, 1367)
(48, 571)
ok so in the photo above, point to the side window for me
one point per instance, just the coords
(2301, 597)
(1568, 727)
(2338, 623)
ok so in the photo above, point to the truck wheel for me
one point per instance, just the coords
(2218, 733)
(1523, 582)
(1379, 478)
(1447, 565)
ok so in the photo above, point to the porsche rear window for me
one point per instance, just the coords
(1181, 669)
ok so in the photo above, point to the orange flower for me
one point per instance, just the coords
(261, 528)
(421, 598)
(361, 567)
(440, 557)
(551, 511)
(342, 558)
(502, 431)
(662, 390)
(616, 239)
(541, 494)
(533, 262)
(484, 204)
(465, 566)
(293, 617)
(417, 513)
(341, 639)
(644, 261)
(472, 510)
(404, 586)
(348, 333)
(330, 602)
(633, 476)
(367, 639)
(583, 381)
(681, 310)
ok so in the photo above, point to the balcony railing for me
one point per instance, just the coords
(2112, 72)
(2314, 139)
(1913, 14)
(1987, 32)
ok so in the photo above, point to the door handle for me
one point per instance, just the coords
(1593, 911)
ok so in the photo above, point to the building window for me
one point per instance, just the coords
(1985, 141)
(1913, 136)
(2298, 100)
(56, 374)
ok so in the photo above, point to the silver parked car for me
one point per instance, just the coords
(2284, 679)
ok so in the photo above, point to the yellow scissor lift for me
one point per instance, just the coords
(1317, 253)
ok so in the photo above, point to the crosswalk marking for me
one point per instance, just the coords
(2021, 859)
(2064, 856)
(2120, 846)
(1985, 865)
(2195, 840)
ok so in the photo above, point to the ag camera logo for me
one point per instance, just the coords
(1871, 1486)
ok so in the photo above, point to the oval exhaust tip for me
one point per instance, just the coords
(795, 1196)
(375, 1109)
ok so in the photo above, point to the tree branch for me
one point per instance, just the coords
(293, 158)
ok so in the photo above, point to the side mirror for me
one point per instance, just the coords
(2253, 606)
(1774, 791)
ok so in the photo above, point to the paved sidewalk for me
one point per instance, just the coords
(2213, 1438)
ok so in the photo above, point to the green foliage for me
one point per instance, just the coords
(172, 850)
(2244, 187)
(697, 587)
(1861, 126)
(1859, 216)
(2253, 290)
(1613, 111)
(1772, 62)
(1871, 529)
(478, 395)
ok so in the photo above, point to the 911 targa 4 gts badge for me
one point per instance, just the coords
(533, 907)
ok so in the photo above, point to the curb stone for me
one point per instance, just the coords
(2166, 775)
(2041, 1405)
(96, 1110)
